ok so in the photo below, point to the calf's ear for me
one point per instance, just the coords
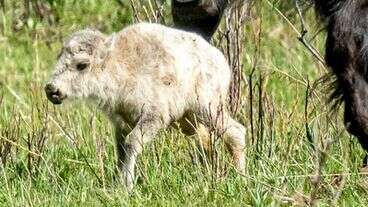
(106, 48)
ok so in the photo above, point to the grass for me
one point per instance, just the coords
(64, 155)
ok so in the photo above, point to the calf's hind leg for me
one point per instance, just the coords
(234, 137)
(232, 132)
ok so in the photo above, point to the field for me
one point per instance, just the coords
(297, 153)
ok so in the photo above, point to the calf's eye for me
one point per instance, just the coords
(82, 66)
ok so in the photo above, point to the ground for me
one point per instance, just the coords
(64, 155)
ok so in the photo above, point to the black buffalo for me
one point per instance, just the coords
(346, 23)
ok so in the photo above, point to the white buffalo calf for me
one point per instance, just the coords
(145, 78)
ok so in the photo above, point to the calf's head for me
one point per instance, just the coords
(79, 67)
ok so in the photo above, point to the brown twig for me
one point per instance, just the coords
(301, 35)
(304, 32)
(257, 55)
(135, 12)
(234, 41)
(306, 114)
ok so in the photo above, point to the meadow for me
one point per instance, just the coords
(297, 153)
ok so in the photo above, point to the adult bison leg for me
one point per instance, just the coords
(200, 16)
(356, 108)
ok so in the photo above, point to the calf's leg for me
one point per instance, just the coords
(129, 148)
(232, 132)
(234, 136)
(120, 134)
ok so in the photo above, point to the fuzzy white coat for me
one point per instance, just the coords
(145, 78)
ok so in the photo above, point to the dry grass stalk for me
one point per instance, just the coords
(148, 11)
(231, 41)
(101, 152)
(8, 137)
(321, 158)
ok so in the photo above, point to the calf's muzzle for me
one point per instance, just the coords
(54, 94)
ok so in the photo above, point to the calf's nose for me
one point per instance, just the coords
(54, 94)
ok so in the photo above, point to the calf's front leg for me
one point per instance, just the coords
(129, 148)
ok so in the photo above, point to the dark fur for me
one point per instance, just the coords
(199, 16)
(346, 23)
(347, 56)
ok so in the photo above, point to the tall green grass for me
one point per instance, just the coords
(64, 155)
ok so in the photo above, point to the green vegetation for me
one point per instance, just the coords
(64, 155)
